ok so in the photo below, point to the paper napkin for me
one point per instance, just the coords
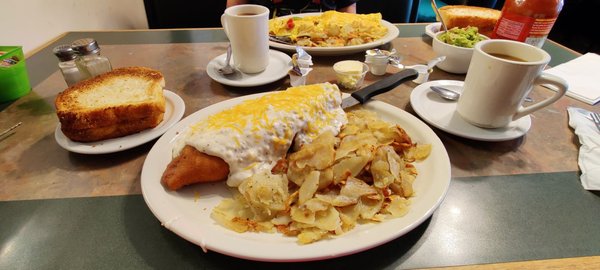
(583, 76)
(589, 152)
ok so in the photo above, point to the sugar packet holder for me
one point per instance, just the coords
(301, 66)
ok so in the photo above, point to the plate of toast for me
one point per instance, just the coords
(174, 109)
(115, 111)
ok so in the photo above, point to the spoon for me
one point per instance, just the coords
(446, 93)
(431, 63)
(395, 61)
(437, 11)
(453, 95)
(227, 69)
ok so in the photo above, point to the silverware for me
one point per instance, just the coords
(281, 39)
(596, 119)
(446, 93)
(227, 69)
(386, 84)
(450, 94)
(437, 11)
(10, 129)
(431, 63)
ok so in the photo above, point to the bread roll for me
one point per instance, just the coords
(114, 104)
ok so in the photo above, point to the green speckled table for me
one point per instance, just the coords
(514, 204)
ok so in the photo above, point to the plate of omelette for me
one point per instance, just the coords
(331, 32)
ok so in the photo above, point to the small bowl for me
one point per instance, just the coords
(377, 63)
(457, 58)
(350, 79)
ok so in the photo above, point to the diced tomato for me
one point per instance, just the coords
(290, 23)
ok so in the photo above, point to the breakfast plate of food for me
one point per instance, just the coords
(115, 111)
(208, 213)
(174, 109)
(346, 33)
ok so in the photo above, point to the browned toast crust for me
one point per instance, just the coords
(88, 123)
(462, 16)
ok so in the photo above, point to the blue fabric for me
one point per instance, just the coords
(426, 13)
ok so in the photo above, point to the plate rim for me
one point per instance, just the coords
(268, 79)
(526, 120)
(392, 34)
(154, 195)
(129, 141)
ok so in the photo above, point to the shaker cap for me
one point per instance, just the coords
(64, 52)
(85, 46)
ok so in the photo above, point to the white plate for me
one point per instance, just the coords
(433, 28)
(174, 109)
(442, 114)
(391, 35)
(187, 212)
(279, 65)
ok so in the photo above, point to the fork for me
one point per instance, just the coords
(596, 119)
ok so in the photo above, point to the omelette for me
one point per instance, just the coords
(329, 29)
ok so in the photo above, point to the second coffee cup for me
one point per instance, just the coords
(501, 74)
(247, 28)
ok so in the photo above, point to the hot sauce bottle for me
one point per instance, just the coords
(529, 21)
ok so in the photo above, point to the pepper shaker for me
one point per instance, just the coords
(66, 56)
(89, 60)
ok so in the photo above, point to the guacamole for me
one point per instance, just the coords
(461, 37)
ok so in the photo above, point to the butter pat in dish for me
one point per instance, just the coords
(350, 73)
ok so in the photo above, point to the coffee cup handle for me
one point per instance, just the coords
(560, 85)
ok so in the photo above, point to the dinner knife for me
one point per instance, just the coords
(386, 84)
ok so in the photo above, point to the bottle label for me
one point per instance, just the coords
(515, 27)
(522, 28)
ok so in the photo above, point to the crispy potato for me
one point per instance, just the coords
(327, 187)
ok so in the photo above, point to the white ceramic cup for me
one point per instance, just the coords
(247, 27)
(495, 87)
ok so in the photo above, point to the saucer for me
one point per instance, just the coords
(442, 114)
(279, 65)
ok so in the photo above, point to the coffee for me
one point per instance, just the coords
(507, 57)
(247, 14)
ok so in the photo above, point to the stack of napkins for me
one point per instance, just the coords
(589, 152)
(583, 76)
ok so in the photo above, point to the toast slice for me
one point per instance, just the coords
(114, 104)
(462, 16)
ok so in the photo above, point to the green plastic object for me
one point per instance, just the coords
(14, 81)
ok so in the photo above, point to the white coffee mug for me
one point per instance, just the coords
(247, 27)
(501, 74)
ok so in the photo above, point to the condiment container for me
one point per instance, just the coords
(350, 73)
(14, 81)
(66, 56)
(529, 21)
(378, 61)
(89, 61)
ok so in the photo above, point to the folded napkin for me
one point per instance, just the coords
(589, 152)
(583, 76)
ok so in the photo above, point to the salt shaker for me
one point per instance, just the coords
(66, 56)
(89, 60)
